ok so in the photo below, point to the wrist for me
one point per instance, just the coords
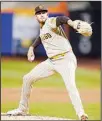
(31, 47)
(70, 22)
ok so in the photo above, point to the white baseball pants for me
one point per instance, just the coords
(66, 68)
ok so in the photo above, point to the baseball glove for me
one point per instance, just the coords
(82, 27)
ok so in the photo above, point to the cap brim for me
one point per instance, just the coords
(41, 11)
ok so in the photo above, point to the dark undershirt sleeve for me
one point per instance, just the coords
(61, 20)
(36, 42)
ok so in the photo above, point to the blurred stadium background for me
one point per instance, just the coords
(49, 96)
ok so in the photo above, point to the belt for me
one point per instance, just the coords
(58, 56)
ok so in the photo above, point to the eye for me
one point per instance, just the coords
(43, 12)
(38, 13)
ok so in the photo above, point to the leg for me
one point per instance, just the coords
(42, 70)
(67, 68)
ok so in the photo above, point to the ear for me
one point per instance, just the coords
(35, 16)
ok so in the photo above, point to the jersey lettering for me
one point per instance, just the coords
(46, 36)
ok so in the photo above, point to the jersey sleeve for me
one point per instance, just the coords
(36, 42)
(51, 22)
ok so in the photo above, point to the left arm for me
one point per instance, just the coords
(63, 20)
(81, 27)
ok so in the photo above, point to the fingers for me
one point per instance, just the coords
(31, 58)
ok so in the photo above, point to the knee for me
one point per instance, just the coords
(26, 79)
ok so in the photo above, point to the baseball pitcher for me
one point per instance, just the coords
(61, 59)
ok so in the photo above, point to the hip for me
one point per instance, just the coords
(64, 58)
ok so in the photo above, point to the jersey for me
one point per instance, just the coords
(53, 38)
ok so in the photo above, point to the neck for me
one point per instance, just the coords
(41, 24)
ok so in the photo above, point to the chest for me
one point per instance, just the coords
(46, 33)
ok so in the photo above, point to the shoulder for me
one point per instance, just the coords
(51, 21)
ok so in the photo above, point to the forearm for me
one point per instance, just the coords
(63, 20)
(36, 42)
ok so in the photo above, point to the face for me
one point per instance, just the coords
(42, 16)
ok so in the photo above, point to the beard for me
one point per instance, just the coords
(42, 21)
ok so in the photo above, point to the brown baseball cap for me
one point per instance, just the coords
(40, 8)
